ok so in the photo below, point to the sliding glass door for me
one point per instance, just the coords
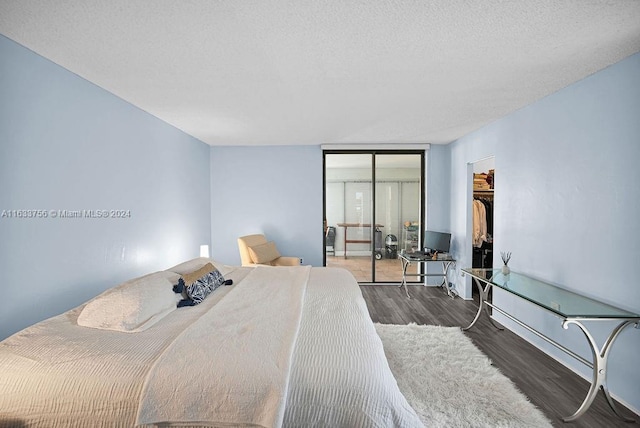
(397, 210)
(372, 210)
(348, 210)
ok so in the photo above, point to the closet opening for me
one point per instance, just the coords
(483, 208)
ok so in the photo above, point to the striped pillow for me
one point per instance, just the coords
(197, 285)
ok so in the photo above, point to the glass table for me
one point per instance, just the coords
(571, 308)
(409, 258)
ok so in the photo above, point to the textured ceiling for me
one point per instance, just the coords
(238, 72)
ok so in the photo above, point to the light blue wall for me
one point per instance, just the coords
(438, 200)
(567, 205)
(438, 176)
(67, 144)
(274, 190)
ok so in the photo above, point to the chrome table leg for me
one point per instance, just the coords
(445, 272)
(599, 378)
(405, 265)
(482, 307)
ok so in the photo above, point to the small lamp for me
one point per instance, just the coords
(204, 251)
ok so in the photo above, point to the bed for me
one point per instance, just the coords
(281, 346)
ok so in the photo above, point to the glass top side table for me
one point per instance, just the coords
(571, 308)
(408, 259)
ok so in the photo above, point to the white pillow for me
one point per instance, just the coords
(195, 264)
(134, 305)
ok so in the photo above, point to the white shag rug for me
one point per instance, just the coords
(450, 383)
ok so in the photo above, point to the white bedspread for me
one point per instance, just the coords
(340, 375)
(231, 367)
(59, 374)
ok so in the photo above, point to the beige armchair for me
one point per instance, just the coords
(256, 250)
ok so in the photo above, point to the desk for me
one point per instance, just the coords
(407, 259)
(354, 241)
(571, 308)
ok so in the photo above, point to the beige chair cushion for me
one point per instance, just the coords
(264, 253)
(244, 242)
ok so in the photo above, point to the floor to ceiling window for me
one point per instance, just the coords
(373, 209)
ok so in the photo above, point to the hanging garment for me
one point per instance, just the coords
(488, 205)
(479, 223)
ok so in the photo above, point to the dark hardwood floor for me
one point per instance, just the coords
(550, 386)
